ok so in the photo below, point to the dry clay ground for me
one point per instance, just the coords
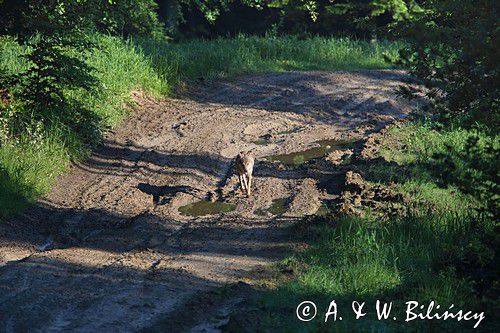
(107, 250)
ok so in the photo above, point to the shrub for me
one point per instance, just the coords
(453, 48)
(475, 169)
(124, 17)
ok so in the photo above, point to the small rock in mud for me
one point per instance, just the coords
(307, 199)
(281, 167)
(356, 200)
(371, 146)
(336, 156)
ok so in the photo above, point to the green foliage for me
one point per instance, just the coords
(54, 69)
(440, 159)
(364, 12)
(26, 18)
(424, 259)
(443, 250)
(55, 65)
(29, 165)
(453, 48)
(125, 17)
(128, 18)
(474, 169)
(362, 18)
(56, 35)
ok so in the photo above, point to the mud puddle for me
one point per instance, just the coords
(321, 149)
(278, 207)
(325, 208)
(203, 208)
(294, 130)
(261, 141)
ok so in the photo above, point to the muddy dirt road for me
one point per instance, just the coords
(108, 250)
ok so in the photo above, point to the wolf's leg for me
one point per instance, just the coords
(245, 181)
(249, 188)
(240, 177)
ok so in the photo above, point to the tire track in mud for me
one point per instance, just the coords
(121, 257)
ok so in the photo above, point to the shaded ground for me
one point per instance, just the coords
(108, 249)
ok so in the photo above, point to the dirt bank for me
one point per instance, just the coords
(108, 249)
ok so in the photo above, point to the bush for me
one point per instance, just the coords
(124, 17)
(41, 92)
(453, 48)
(128, 18)
(475, 169)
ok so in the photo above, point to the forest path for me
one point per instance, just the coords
(109, 250)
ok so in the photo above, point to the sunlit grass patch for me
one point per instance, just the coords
(224, 57)
(361, 260)
(28, 168)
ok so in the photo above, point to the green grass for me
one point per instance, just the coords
(414, 259)
(27, 170)
(435, 167)
(29, 163)
(443, 251)
(228, 57)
